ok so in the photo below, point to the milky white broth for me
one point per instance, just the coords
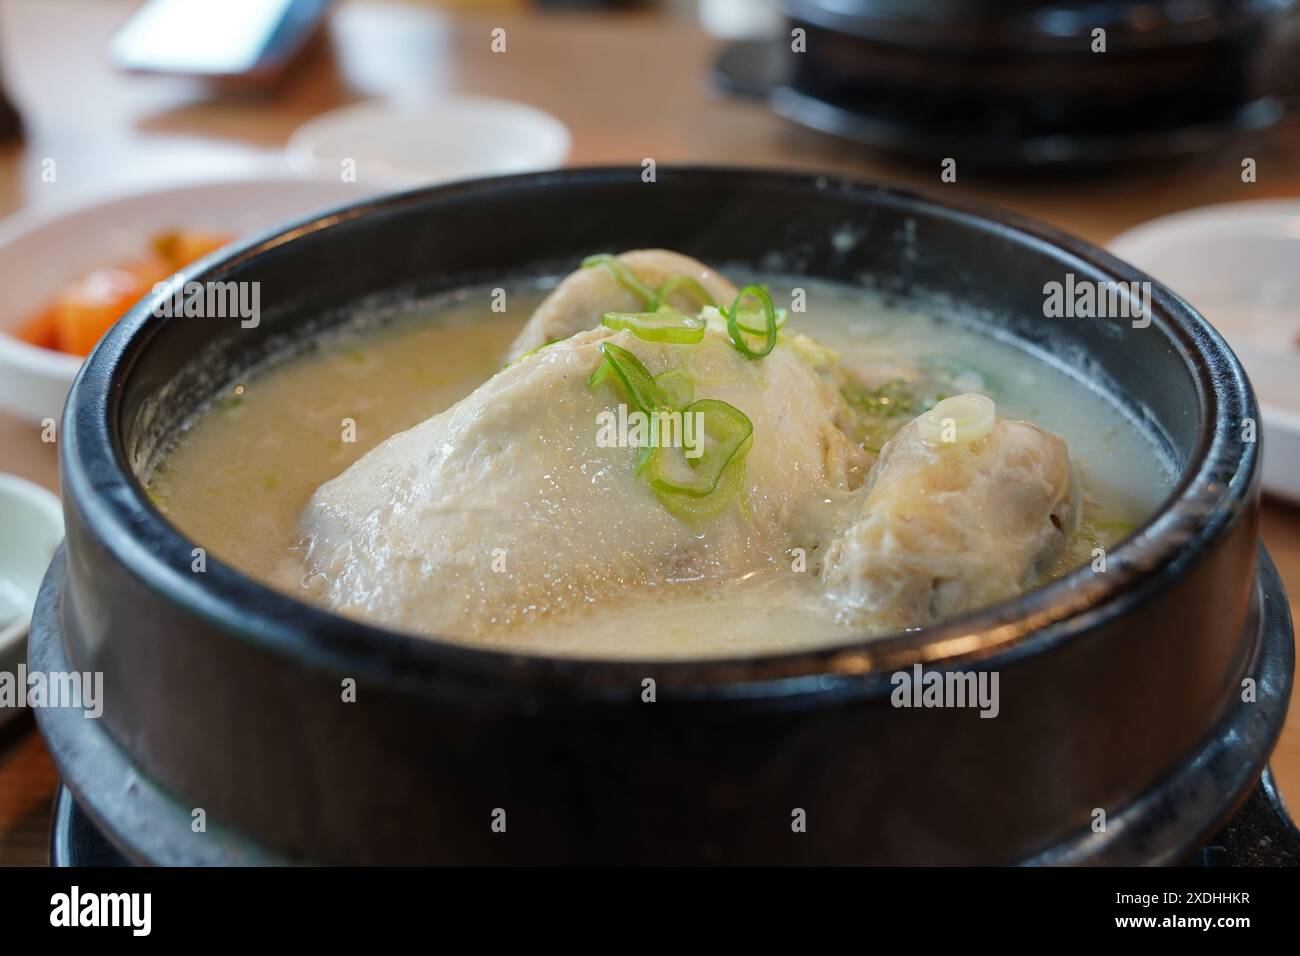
(239, 474)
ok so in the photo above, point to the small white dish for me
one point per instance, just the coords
(33, 527)
(415, 144)
(42, 249)
(1238, 264)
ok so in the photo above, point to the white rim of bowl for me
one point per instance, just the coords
(16, 491)
(301, 149)
(1132, 244)
(14, 227)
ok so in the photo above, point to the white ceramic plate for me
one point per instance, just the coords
(42, 249)
(1239, 265)
(33, 527)
(415, 144)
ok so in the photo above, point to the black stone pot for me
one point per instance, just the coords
(1121, 692)
(1015, 85)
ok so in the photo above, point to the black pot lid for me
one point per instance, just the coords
(760, 70)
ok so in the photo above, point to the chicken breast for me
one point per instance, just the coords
(506, 506)
(579, 301)
(951, 523)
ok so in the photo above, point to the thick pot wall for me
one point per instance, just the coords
(270, 748)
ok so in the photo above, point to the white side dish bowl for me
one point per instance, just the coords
(42, 249)
(1239, 265)
(415, 144)
(32, 520)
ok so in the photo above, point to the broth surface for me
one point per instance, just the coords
(239, 474)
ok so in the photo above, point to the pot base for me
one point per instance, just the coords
(1260, 834)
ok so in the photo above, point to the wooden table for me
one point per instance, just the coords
(628, 87)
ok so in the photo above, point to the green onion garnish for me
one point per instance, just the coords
(603, 371)
(755, 320)
(665, 325)
(643, 458)
(626, 278)
(679, 387)
(690, 488)
(689, 285)
(749, 320)
(769, 329)
(691, 509)
(726, 431)
(638, 384)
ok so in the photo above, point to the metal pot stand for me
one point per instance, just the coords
(1259, 834)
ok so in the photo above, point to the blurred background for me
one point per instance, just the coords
(1016, 91)
(1095, 115)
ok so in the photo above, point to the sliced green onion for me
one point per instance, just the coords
(644, 457)
(959, 420)
(726, 431)
(688, 284)
(679, 386)
(768, 331)
(638, 384)
(674, 389)
(603, 371)
(755, 320)
(665, 325)
(688, 488)
(690, 509)
(626, 278)
(749, 320)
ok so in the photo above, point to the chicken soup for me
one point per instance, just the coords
(652, 461)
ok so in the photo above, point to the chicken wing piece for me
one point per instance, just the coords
(962, 509)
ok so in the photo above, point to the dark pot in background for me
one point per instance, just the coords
(1016, 84)
(1119, 691)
